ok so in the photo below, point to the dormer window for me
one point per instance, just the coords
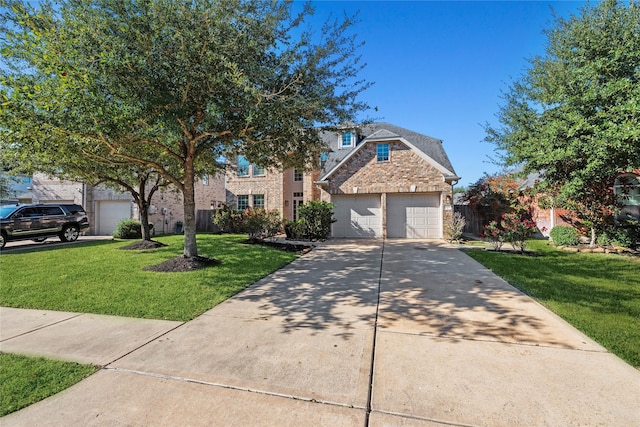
(348, 139)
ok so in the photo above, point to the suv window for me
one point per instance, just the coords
(27, 213)
(50, 210)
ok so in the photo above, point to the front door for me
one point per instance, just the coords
(297, 201)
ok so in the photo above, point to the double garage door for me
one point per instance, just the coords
(413, 216)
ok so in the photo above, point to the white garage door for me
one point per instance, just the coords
(414, 216)
(357, 215)
(110, 213)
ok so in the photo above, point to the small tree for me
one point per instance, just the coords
(456, 227)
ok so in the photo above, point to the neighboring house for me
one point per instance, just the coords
(385, 181)
(107, 207)
(626, 186)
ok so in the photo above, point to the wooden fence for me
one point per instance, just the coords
(472, 220)
(204, 222)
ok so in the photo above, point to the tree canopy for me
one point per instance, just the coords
(172, 85)
(574, 116)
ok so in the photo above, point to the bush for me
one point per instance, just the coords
(228, 219)
(517, 230)
(564, 235)
(257, 223)
(129, 229)
(456, 227)
(494, 234)
(315, 220)
(294, 230)
(625, 234)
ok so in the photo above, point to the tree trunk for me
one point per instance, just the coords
(593, 237)
(144, 220)
(190, 246)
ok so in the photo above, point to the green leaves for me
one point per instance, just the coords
(575, 114)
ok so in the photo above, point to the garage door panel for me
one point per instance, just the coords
(414, 216)
(110, 213)
(358, 216)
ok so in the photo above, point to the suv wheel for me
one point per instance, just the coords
(3, 240)
(70, 233)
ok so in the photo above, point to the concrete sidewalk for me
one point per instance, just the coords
(355, 333)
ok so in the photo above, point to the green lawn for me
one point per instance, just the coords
(597, 293)
(26, 380)
(98, 277)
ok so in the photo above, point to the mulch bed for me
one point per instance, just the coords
(143, 244)
(283, 246)
(182, 264)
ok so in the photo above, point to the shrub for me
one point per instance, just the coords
(261, 224)
(129, 229)
(564, 235)
(257, 223)
(456, 227)
(228, 219)
(316, 219)
(294, 230)
(494, 234)
(516, 230)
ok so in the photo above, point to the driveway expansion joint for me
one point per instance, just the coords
(231, 387)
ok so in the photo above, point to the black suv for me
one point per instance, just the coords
(37, 222)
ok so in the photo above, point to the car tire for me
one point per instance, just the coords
(3, 240)
(70, 233)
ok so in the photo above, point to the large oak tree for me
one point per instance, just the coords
(574, 115)
(172, 85)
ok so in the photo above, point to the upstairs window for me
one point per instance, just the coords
(257, 170)
(297, 175)
(205, 179)
(627, 188)
(348, 139)
(383, 152)
(323, 159)
(243, 166)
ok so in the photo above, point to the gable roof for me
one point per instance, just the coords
(428, 148)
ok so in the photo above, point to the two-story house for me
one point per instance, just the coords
(385, 181)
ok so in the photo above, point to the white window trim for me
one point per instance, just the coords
(353, 139)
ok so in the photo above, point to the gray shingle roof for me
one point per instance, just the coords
(432, 147)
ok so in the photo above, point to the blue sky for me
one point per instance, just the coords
(439, 66)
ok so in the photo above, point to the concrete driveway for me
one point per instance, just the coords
(356, 333)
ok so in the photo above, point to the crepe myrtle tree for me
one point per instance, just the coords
(573, 116)
(173, 85)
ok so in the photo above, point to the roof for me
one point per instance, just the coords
(429, 148)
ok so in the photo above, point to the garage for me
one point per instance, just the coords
(357, 215)
(414, 216)
(110, 213)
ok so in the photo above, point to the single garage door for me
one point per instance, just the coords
(414, 216)
(358, 215)
(110, 213)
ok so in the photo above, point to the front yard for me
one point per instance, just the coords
(597, 293)
(98, 277)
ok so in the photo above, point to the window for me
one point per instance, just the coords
(205, 179)
(257, 170)
(258, 201)
(627, 188)
(50, 210)
(243, 166)
(297, 175)
(243, 202)
(323, 159)
(383, 152)
(347, 139)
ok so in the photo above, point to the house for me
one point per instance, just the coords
(106, 207)
(384, 180)
(626, 187)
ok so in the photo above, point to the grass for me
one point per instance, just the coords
(25, 380)
(597, 293)
(97, 277)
